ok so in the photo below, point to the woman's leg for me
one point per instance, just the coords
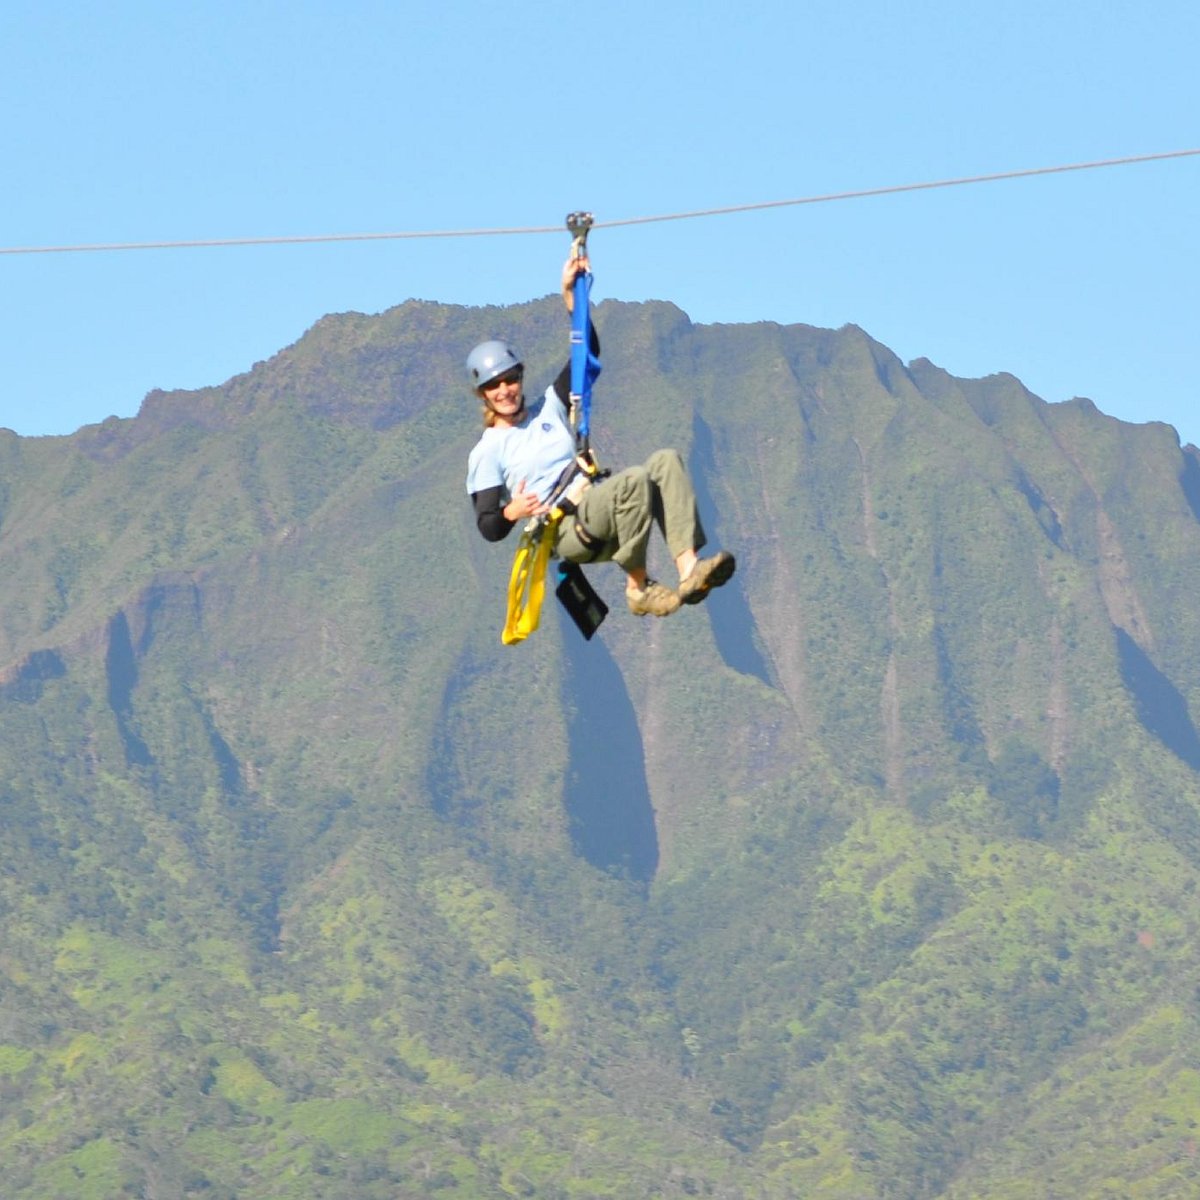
(680, 523)
(619, 512)
(674, 501)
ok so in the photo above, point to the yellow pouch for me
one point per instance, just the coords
(527, 584)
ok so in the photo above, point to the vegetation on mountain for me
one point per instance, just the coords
(873, 876)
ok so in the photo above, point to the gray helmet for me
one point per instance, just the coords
(488, 360)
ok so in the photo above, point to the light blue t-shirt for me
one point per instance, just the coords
(536, 451)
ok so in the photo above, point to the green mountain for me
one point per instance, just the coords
(874, 876)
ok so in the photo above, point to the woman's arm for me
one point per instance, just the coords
(489, 514)
(494, 519)
(571, 268)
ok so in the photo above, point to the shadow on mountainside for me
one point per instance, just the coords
(732, 621)
(607, 797)
(1161, 707)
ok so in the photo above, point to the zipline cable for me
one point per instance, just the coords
(895, 189)
(309, 239)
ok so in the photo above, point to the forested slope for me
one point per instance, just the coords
(874, 876)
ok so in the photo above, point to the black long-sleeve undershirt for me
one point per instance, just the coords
(489, 514)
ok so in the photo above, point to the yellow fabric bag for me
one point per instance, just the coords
(527, 584)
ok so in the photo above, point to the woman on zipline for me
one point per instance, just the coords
(519, 465)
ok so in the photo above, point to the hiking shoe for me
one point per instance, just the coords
(707, 574)
(654, 600)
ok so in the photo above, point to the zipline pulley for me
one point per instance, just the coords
(578, 224)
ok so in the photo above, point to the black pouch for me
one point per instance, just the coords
(579, 598)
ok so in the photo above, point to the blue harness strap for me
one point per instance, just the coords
(585, 365)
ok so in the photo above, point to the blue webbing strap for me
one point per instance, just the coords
(585, 365)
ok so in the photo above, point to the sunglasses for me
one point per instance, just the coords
(514, 376)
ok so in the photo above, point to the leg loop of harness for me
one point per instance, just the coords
(592, 544)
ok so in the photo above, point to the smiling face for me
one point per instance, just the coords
(505, 396)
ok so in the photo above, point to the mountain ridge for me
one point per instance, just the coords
(860, 879)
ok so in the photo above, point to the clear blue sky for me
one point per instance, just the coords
(139, 121)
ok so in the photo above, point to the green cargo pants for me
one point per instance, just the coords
(617, 514)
